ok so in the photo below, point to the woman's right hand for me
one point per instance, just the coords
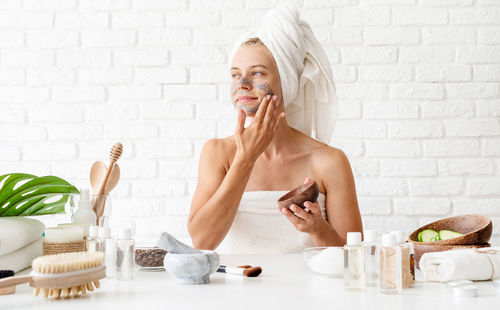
(253, 140)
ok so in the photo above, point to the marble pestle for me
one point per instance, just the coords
(168, 243)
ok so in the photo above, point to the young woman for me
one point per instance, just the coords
(241, 177)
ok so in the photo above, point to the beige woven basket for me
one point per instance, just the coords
(63, 247)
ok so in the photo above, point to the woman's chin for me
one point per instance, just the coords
(249, 111)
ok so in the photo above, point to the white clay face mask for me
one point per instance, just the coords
(258, 91)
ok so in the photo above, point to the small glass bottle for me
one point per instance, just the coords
(110, 258)
(354, 262)
(391, 278)
(104, 235)
(91, 243)
(407, 258)
(125, 255)
(371, 258)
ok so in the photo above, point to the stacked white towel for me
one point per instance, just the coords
(469, 264)
(20, 242)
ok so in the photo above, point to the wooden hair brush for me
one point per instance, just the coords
(63, 274)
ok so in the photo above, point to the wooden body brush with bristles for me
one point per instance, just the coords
(114, 155)
(62, 274)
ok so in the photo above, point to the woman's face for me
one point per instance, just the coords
(254, 75)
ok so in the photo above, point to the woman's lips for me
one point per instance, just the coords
(244, 99)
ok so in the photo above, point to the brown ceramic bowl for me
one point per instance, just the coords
(306, 192)
(422, 247)
(476, 228)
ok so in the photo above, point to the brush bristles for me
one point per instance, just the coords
(252, 272)
(116, 151)
(67, 262)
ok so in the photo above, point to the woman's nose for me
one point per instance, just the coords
(244, 83)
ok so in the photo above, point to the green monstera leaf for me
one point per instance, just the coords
(26, 194)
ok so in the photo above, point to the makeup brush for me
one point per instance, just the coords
(246, 270)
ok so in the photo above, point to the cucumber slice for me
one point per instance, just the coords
(448, 234)
(419, 237)
(436, 238)
(428, 235)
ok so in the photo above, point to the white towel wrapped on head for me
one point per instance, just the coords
(468, 264)
(306, 78)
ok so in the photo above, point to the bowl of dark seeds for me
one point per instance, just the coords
(149, 258)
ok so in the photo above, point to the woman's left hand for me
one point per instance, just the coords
(307, 220)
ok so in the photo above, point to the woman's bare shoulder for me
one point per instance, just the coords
(219, 149)
(330, 160)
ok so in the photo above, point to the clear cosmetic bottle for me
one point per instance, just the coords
(407, 258)
(391, 278)
(125, 251)
(354, 264)
(104, 235)
(371, 258)
(91, 243)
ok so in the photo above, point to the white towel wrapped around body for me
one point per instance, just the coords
(306, 78)
(468, 264)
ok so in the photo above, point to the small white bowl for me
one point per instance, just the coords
(328, 261)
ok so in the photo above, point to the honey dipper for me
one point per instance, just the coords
(114, 155)
(63, 274)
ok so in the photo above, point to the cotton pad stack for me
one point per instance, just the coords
(20, 242)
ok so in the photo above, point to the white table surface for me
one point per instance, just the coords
(285, 283)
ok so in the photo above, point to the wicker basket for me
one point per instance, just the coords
(63, 247)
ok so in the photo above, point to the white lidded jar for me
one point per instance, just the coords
(371, 258)
(354, 264)
(84, 213)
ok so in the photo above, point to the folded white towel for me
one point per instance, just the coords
(306, 77)
(17, 232)
(21, 258)
(469, 264)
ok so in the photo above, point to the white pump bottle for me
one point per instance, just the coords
(84, 213)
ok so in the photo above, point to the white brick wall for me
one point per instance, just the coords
(418, 83)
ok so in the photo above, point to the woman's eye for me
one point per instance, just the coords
(257, 73)
(235, 75)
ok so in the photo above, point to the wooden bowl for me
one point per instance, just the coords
(423, 247)
(476, 228)
(306, 192)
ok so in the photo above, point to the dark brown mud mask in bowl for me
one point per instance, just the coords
(306, 192)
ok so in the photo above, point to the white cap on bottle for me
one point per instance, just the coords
(388, 240)
(400, 236)
(93, 231)
(104, 232)
(125, 233)
(84, 202)
(353, 238)
(370, 235)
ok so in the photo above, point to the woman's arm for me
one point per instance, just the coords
(341, 203)
(217, 196)
(218, 193)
